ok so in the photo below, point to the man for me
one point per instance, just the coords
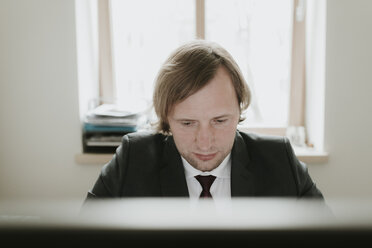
(199, 98)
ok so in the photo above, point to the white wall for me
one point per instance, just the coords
(40, 128)
(348, 122)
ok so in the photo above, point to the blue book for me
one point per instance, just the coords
(97, 128)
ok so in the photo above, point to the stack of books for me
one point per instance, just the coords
(104, 127)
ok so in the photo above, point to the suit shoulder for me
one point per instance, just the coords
(261, 139)
(144, 137)
(148, 144)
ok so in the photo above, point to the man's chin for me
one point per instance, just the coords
(207, 165)
(203, 165)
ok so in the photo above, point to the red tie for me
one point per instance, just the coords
(205, 182)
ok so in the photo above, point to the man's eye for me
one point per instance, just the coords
(220, 121)
(186, 123)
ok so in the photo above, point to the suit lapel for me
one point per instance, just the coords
(172, 175)
(242, 179)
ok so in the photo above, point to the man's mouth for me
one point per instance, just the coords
(205, 157)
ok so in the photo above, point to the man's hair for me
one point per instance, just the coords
(188, 69)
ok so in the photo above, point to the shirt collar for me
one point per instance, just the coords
(221, 171)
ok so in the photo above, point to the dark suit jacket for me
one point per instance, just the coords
(149, 165)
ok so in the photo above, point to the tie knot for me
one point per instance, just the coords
(205, 182)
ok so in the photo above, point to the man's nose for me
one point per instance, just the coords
(204, 137)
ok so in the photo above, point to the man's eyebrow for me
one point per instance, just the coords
(191, 119)
(183, 119)
(222, 116)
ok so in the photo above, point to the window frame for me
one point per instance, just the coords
(296, 117)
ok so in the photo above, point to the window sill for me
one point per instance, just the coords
(306, 156)
(310, 156)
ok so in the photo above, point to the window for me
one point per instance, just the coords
(143, 35)
(266, 37)
(258, 34)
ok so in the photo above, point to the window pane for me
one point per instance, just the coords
(144, 34)
(258, 35)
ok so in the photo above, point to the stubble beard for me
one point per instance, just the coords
(205, 165)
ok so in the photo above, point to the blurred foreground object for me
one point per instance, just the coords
(259, 222)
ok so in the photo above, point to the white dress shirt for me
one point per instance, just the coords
(220, 188)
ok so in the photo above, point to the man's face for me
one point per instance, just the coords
(204, 124)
